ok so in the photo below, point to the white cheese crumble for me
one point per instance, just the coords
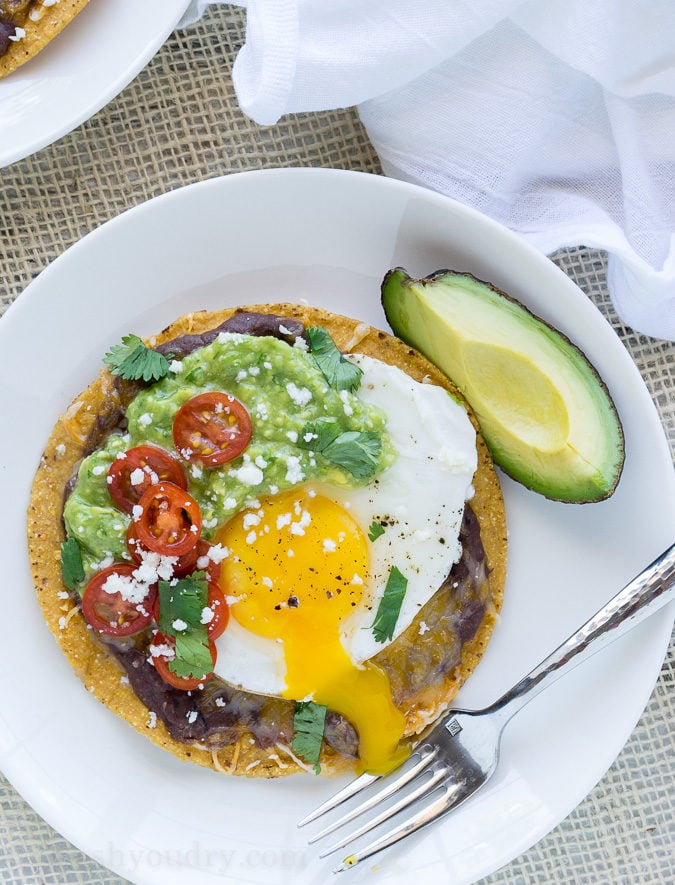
(329, 546)
(424, 628)
(300, 395)
(294, 473)
(129, 588)
(137, 476)
(152, 719)
(292, 435)
(357, 579)
(191, 716)
(61, 449)
(18, 34)
(154, 567)
(145, 420)
(298, 528)
(346, 407)
(248, 474)
(98, 470)
(179, 625)
(267, 582)
(175, 366)
(207, 615)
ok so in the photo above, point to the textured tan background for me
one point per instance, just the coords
(179, 122)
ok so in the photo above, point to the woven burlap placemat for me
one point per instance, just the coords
(179, 122)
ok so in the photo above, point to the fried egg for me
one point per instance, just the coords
(305, 573)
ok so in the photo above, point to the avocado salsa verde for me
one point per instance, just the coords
(283, 390)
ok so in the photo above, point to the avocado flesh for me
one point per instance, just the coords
(544, 411)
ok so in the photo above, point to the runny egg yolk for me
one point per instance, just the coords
(298, 568)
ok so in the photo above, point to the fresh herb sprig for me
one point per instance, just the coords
(134, 361)
(390, 606)
(308, 723)
(181, 604)
(375, 531)
(340, 373)
(357, 451)
(72, 570)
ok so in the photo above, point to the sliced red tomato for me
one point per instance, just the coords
(218, 605)
(170, 520)
(161, 664)
(211, 429)
(112, 613)
(141, 467)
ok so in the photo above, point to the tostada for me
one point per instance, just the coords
(27, 26)
(271, 539)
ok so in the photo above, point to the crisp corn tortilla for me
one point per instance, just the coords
(41, 26)
(101, 674)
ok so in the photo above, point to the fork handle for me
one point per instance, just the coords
(653, 588)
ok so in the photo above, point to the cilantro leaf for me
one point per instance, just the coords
(318, 434)
(193, 656)
(182, 601)
(375, 531)
(338, 371)
(72, 570)
(308, 723)
(181, 604)
(134, 361)
(390, 606)
(356, 451)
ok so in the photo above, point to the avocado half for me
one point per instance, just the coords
(544, 411)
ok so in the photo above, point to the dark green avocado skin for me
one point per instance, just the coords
(406, 304)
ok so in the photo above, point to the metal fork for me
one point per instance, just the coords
(461, 751)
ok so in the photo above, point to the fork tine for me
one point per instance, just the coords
(352, 788)
(426, 786)
(392, 783)
(452, 795)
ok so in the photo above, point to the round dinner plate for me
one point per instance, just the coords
(326, 237)
(80, 70)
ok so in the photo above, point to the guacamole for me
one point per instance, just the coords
(283, 390)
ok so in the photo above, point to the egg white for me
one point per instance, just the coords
(419, 500)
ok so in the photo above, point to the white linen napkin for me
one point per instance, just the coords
(555, 117)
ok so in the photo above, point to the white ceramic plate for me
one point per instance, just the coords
(328, 237)
(78, 72)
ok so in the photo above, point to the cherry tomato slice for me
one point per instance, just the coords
(161, 664)
(218, 605)
(211, 429)
(141, 467)
(170, 521)
(111, 613)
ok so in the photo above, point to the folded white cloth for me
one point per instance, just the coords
(556, 117)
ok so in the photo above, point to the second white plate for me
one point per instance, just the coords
(78, 72)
